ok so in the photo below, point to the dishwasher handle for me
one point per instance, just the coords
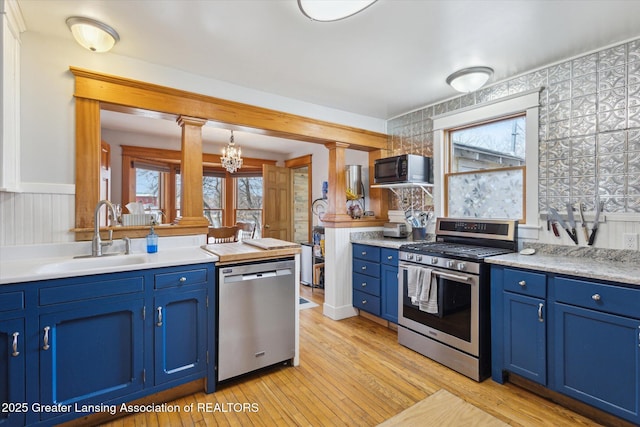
(258, 276)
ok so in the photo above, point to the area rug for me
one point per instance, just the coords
(305, 303)
(443, 409)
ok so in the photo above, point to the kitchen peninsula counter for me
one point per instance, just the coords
(241, 252)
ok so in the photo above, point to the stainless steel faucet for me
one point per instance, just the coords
(97, 243)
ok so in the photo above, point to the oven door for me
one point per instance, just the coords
(457, 318)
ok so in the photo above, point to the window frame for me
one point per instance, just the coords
(235, 177)
(526, 103)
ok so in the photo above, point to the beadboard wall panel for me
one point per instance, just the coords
(30, 218)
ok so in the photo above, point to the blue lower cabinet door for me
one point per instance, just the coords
(12, 373)
(598, 359)
(180, 335)
(91, 353)
(525, 337)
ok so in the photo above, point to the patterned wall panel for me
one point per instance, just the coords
(589, 128)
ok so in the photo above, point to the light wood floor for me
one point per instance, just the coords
(353, 373)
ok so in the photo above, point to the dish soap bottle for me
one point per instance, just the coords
(152, 241)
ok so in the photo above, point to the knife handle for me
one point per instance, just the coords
(592, 238)
(555, 229)
(586, 233)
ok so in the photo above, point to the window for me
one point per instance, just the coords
(212, 191)
(249, 201)
(492, 145)
(477, 148)
(151, 182)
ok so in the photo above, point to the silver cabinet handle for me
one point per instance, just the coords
(46, 345)
(540, 319)
(364, 267)
(522, 283)
(595, 297)
(364, 253)
(159, 316)
(390, 257)
(363, 284)
(364, 301)
(15, 344)
(182, 279)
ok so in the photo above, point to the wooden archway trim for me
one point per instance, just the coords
(92, 90)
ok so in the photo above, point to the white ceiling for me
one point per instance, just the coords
(390, 59)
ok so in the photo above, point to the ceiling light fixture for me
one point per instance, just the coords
(332, 10)
(91, 34)
(469, 79)
(231, 156)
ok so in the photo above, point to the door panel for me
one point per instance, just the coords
(180, 335)
(92, 353)
(12, 371)
(277, 202)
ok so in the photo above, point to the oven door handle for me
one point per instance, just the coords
(452, 276)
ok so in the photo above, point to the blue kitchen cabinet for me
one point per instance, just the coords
(181, 323)
(366, 278)
(91, 352)
(597, 345)
(95, 339)
(389, 284)
(586, 345)
(375, 280)
(12, 371)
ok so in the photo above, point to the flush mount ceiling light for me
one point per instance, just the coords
(92, 34)
(469, 79)
(332, 10)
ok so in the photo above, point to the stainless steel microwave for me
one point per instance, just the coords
(403, 168)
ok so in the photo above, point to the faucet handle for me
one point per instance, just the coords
(127, 245)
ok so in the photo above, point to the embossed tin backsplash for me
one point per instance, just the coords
(589, 129)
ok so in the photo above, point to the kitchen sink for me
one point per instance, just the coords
(91, 263)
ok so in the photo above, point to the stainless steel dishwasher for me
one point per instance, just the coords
(256, 316)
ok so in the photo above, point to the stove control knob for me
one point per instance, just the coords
(418, 257)
(434, 260)
(409, 256)
(461, 266)
(450, 264)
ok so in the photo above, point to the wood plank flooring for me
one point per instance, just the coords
(352, 373)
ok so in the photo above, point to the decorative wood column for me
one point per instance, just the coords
(337, 197)
(378, 197)
(191, 199)
(87, 160)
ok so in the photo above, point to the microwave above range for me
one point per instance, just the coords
(404, 168)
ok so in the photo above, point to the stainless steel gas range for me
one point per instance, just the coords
(444, 290)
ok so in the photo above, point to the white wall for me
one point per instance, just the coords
(47, 142)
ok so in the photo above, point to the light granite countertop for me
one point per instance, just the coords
(592, 263)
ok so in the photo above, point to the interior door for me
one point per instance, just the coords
(277, 202)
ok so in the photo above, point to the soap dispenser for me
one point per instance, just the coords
(152, 241)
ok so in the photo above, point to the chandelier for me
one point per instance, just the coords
(231, 156)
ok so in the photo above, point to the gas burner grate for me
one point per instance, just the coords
(470, 251)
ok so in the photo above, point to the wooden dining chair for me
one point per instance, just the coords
(246, 230)
(222, 234)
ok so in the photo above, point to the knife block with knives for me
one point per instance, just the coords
(554, 219)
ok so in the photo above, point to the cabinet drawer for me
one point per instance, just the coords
(366, 267)
(597, 296)
(98, 288)
(368, 284)
(12, 301)
(389, 256)
(366, 252)
(180, 278)
(366, 302)
(525, 282)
